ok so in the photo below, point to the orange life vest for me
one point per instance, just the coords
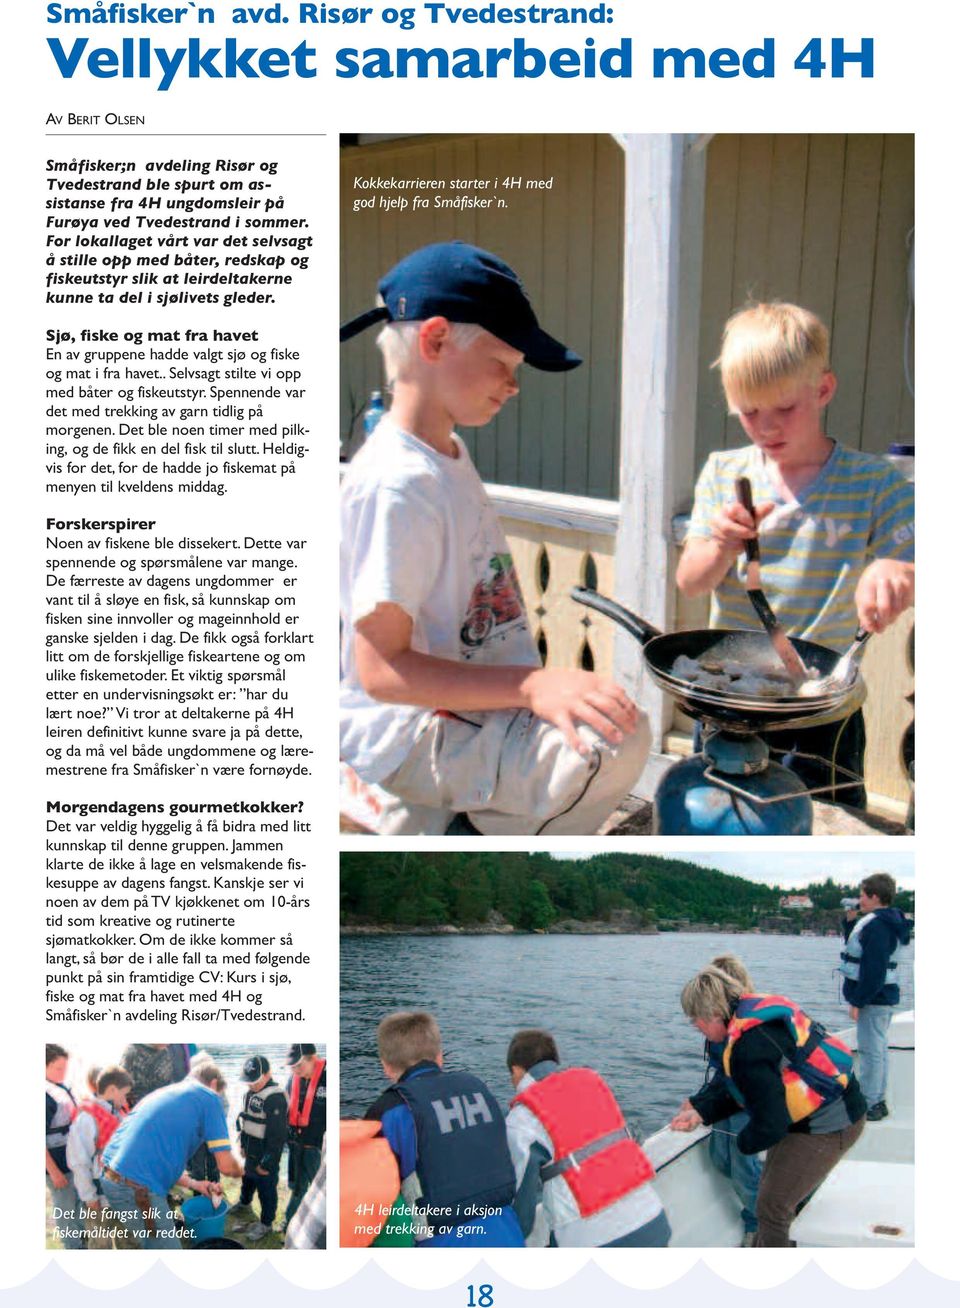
(300, 1117)
(369, 1183)
(106, 1121)
(593, 1149)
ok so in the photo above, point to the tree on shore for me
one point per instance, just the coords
(533, 891)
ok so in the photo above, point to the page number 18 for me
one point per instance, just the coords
(480, 1296)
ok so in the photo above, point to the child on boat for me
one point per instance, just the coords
(574, 1154)
(448, 1135)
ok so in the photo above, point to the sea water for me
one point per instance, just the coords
(612, 1002)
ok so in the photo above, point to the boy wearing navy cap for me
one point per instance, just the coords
(444, 707)
(262, 1124)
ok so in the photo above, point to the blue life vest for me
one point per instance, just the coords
(852, 953)
(462, 1156)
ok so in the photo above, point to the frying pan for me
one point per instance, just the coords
(734, 712)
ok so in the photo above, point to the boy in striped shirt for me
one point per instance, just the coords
(835, 524)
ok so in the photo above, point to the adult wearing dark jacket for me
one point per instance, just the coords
(795, 1082)
(870, 966)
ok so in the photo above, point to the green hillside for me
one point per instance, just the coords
(532, 891)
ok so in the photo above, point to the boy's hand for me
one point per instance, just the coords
(885, 590)
(733, 525)
(565, 697)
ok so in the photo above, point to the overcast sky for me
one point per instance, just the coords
(779, 868)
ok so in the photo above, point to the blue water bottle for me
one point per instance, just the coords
(372, 414)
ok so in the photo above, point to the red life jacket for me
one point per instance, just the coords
(106, 1121)
(300, 1117)
(593, 1149)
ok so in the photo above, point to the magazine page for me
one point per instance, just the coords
(622, 503)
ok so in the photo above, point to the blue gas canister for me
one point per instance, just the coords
(731, 789)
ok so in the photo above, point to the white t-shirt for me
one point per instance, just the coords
(417, 529)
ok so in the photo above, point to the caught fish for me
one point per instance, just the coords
(730, 675)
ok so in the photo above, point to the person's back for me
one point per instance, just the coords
(573, 1151)
(150, 1067)
(152, 1144)
(448, 1135)
(792, 1076)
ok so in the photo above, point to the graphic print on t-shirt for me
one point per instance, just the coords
(495, 605)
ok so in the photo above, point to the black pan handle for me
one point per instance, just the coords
(640, 630)
(745, 496)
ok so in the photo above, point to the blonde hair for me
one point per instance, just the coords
(735, 968)
(407, 1038)
(397, 343)
(768, 346)
(713, 993)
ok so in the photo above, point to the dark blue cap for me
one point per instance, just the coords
(255, 1067)
(296, 1052)
(465, 284)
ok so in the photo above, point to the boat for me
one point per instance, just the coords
(865, 1202)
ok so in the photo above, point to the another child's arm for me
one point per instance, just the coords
(391, 671)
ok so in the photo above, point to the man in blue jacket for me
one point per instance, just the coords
(874, 937)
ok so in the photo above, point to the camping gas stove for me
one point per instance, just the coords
(733, 787)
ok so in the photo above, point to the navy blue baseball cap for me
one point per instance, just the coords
(255, 1067)
(465, 284)
(297, 1052)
